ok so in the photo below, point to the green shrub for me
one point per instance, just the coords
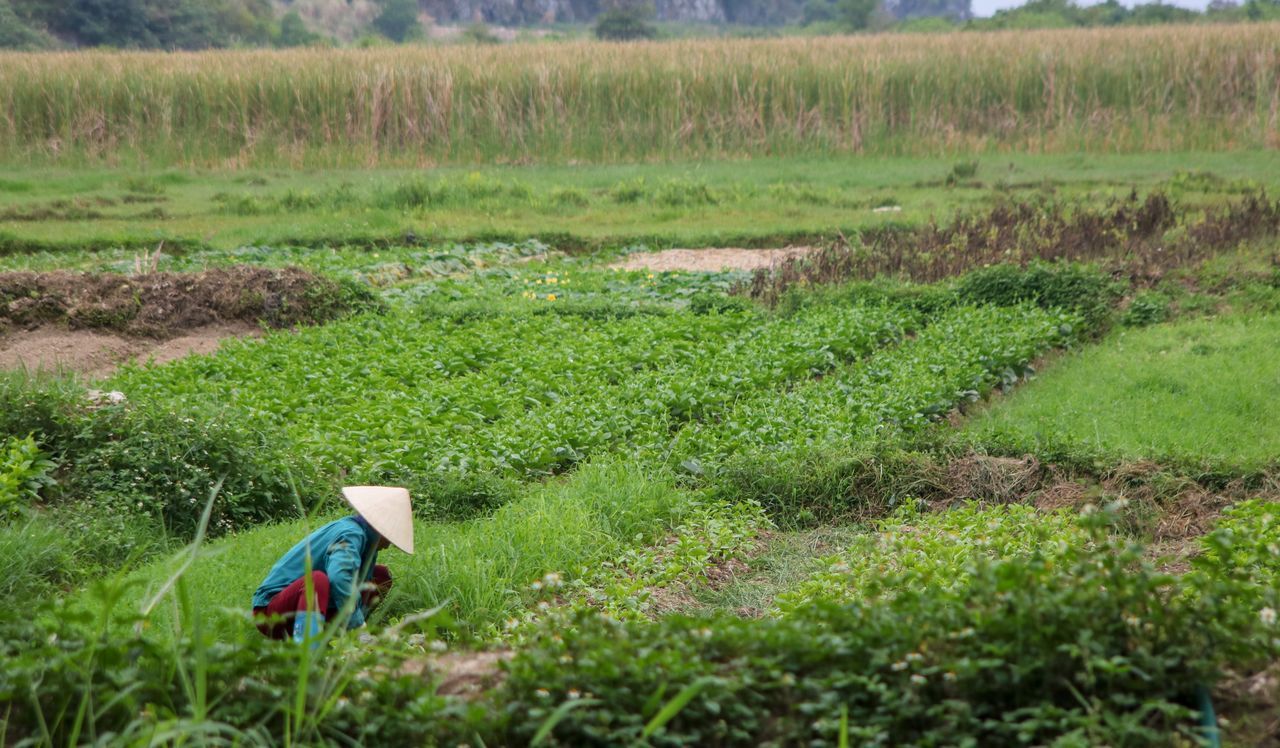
(802, 487)
(961, 171)
(243, 205)
(680, 193)
(151, 462)
(631, 191)
(569, 197)
(163, 464)
(626, 20)
(1074, 287)
(1146, 308)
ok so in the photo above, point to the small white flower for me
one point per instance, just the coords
(1133, 621)
(898, 667)
(543, 693)
(915, 657)
(949, 676)
(573, 693)
(918, 679)
(1268, 616)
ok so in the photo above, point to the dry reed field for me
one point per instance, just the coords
(1175, 88)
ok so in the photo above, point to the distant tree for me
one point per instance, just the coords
(818, 11)
(479, 33)
(294, 32)
(16, 32)
(763, 12)
(1262, 10)
(165, 24)
(92, 23)
(626, 20)
(855, 14)
(906, 10)
(398, 20)
(1158, 12)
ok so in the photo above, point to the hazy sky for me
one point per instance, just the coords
(987, 7)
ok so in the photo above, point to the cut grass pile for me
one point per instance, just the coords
(1200, 392)
(1166, 88)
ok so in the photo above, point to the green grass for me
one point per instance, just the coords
(766, 201)
(481, 570)
(789, 558)
(1198, 391)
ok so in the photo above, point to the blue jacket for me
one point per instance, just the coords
(345, 549)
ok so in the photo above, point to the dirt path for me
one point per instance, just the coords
(98, 354)
(709, 260)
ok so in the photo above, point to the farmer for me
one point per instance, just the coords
(343, 563)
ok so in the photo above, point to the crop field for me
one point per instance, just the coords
(987, 456)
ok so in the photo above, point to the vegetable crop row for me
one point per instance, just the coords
(426, 399)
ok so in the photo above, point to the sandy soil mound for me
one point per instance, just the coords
(98, 354)
(710, 260)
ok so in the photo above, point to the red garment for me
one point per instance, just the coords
(292, 600)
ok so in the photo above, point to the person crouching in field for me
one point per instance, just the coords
(343, 564)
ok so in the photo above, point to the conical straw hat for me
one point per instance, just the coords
(387, 510)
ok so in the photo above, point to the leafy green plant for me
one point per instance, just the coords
(1240, 563)
(24, 473)
(934, 550)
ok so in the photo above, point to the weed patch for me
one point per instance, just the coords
(1141, 239)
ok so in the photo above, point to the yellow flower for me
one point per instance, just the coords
(551, 297)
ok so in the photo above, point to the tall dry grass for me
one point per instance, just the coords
(1202, 87)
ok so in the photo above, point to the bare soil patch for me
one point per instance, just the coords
(463, 674)
(711, 260)
(98, 354)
